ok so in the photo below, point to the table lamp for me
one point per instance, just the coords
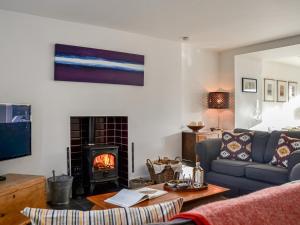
(218, 100)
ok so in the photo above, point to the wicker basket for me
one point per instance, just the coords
(164, 176)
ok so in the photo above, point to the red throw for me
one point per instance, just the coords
(271, 206)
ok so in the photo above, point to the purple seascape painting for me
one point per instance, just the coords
(81, 64)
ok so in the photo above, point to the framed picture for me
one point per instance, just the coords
(249, 85)
(282, 89)
(269, 90)
(292, 86)
(80, 64)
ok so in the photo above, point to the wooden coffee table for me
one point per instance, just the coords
(190, 199)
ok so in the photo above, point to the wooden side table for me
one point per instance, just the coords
(190, 140)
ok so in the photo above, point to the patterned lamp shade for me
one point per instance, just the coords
(218, 100)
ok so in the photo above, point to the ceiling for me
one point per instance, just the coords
(288, 55)
(218, 24)
(293, 60)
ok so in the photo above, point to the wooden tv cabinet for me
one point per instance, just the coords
(17, 192)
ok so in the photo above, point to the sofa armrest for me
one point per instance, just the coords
(208, 151)
(295, 173)
(294, 159)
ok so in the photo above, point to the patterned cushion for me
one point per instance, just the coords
(121, 216)
(236, 146)
(286, 145)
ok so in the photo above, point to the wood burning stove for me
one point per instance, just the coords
(91, 136)
(101, 165)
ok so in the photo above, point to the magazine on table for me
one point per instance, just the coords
(127, 198)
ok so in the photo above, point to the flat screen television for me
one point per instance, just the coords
(15, 131)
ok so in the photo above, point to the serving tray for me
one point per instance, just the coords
(187, 189)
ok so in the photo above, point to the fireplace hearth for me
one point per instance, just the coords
(99, 153)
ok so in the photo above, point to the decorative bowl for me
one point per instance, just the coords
(195, 128)
(172, 183)
(182, 185)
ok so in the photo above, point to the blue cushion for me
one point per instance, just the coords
(230, 167)
(267, 173)
(273, 142)
(259, 144)
(235, 184)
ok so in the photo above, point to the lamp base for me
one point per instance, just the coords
(2, 178)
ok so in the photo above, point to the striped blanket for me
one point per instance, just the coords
(119, 216)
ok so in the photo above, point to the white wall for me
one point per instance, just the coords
(280, 71)
(199, 76)
(227, 68)
(245, 103)
(154, 111)
(274, 115)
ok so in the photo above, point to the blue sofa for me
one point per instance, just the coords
(244, 177)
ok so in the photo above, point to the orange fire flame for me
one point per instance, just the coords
(104, 161)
